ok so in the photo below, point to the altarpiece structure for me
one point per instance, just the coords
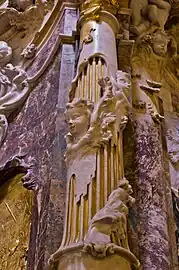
(89, 134)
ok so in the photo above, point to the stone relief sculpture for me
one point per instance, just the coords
(21, 16)
(91, 126)
(150, 54)
(109, 225)
(96, 113)
(93, 129)
(14, 87)
(149, 13)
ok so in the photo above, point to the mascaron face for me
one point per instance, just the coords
(160, 45)
(78, 121)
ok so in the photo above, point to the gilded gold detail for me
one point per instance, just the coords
(15, 217)
(91, 9)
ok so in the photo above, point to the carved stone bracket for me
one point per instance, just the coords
(16, 165)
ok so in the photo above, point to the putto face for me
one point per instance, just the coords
(160, 45)
(78, 121)
(123, 80)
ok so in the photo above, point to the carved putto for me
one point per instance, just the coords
(159, 42)
(91, 126)
(149, 13)
(109, 225)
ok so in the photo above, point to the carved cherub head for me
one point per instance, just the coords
(78, 114)
(5, 54)
(123, 80)
(160, 43)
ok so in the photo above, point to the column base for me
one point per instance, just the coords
(75, 258)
